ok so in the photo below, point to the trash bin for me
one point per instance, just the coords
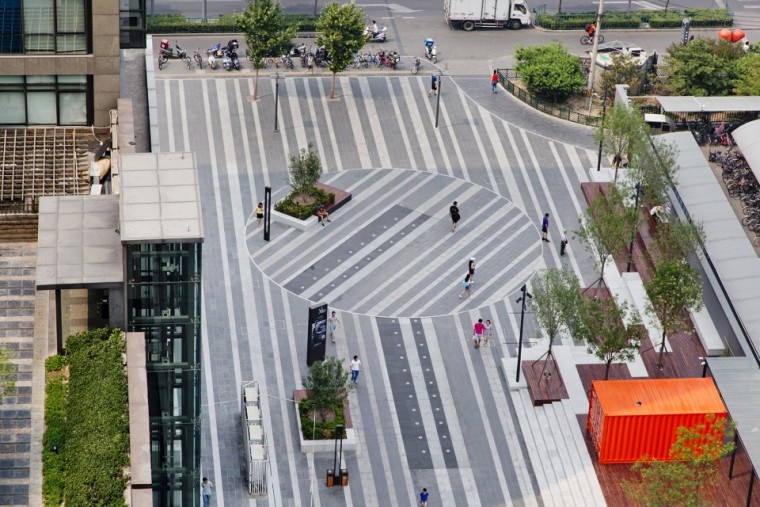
(343, 477)
(330, 478)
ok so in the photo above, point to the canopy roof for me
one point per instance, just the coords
(708, 104)
(746, 138)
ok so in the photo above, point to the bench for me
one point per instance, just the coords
(707, 332)
(640, 299)
(341, 197)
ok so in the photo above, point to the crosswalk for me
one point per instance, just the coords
(430, 411)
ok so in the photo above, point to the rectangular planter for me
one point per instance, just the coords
(307, 446)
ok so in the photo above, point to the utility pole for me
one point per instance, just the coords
(592, 74)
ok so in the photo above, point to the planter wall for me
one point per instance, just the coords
(349, 443)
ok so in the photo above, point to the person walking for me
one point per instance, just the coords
(494, 81)
(454, 214)
(545, 228)
(477, 333)
(424, 497)
(465, 286)
(563, 243)
(471, 269)
(207, 491)
(433, 85)
(487, 333)
(332, 325)
(356, 367)
(259, 214)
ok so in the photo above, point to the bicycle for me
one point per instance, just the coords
(587, 39)
(162, 60)
(189, 63)
(198, 58)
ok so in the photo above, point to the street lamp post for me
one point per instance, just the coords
(633, 235)
(438, 99)
(521, 299)
(601, 139)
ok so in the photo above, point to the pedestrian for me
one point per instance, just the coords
(310, 64)
(424, 497)
(477, 333)
(471, 269)
(259, 214)
(433, 85)
(332, 324)
(356, 367)
(207, 491)
(545, 228)
(465, 286)
(322, 215)
(494, 81)
(454, 213)
(487, 334)
(563, 243)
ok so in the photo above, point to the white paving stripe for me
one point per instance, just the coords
(211, 406)
(581, 172)
(356, 126)
(479, 141)
(327, 164)
(443, 146)
(323, 97)
(542, 466)
(406, 135)
(422, 144)
(294, 103)
(501, 158)
(168, 104)
(378, 134)
(259, 136)
(246, 144)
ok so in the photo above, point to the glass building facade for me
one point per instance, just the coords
(163, 301)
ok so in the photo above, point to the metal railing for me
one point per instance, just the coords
(27, 207)
(506, 76)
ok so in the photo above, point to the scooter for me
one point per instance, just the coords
(216, 51)
(379, 36)
(227, 61)
(170, 52)
(431, 52)
(235, 60)
(211, 61)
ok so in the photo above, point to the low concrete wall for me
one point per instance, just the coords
(139, 427)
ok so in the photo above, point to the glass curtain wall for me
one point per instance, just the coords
(44, 26)
(45, 100)
(163, 301)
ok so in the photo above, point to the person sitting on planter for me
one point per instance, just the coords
(322, 215)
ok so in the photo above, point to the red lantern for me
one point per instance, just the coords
(725, 34)
(737, 35)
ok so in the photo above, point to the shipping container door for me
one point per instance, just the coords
(489, 10)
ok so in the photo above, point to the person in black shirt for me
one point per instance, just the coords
(454, 213)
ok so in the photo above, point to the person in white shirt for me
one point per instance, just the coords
(207, 490)
(356, 367)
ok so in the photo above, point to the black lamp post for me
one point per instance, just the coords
(633, 235)
(601, 140)
(438, 99)
(521, 299)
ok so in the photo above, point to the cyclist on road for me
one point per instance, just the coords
(590, 29)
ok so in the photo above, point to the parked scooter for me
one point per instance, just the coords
(217, 51)
(212, 61)
(231, 60)
(378, 36)
(176, 52)
(431, 52)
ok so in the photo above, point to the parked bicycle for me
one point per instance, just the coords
(198, 58)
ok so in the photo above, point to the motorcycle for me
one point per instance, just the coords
(431, 51)
(216, 51)
(378, 36)
(388, 59)
(211, 61)
(298, 51)
(169, 52)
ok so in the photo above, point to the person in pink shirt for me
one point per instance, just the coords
(478, 332)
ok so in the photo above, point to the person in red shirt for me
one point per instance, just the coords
(494, 81)
(478, 331)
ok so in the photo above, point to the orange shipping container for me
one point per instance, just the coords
(628, 419)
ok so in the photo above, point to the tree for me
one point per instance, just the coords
(622, 70)
(682, 482)
(550, 71)
(605, 226)
(655, 168)
(556, 299)
(603, 328)
(674, 288)
(748, 75)
(342, 32)
(7, 375)
(327, 384)
(678, 240)
(623, 133)
(266, 32)
(703, 67)
(304, 170)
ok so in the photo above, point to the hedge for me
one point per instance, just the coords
(54, 479)
(289, 207)
(320, 430)
(620, 19)
(177, 23)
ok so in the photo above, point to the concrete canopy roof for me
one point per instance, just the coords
(78, 243)
(708, 104)
(746, 138)
(160, 199)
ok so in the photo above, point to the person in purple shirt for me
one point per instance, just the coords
(545, 228)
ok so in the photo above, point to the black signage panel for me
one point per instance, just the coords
(317, 340)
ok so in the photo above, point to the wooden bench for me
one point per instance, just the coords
(341, 197)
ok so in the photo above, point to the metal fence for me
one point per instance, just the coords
(26, 207)
(506, 76)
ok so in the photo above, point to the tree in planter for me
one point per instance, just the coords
(623, 133)
(679, 239)
(703, 67)
(342, 33)
(605, 227)
(267, 32)
(550, 71)
(622, 70)
(603, 328)
(304, 171)
(655, 169)
(556, 301)
(675, 288)
(682, 482)
(7, 375)
(328, 387)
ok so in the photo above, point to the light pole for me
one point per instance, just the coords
(438, 100)
(276, 98)
(521, 299)
(601, 139)
(633, 235)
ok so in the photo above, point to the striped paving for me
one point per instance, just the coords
(429, 410)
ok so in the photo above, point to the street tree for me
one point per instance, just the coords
(678, 240)
(267, 33)
(623, 134)
(674, 289)
(556, 300)
(605, 227)
(7, 375)
(342, 33)
(612, 332)
(655, 169)
(623, 69)
(703, 67)
(304, 170)
(549, 71)
(748, 74)
(327, 385)
(683, 481)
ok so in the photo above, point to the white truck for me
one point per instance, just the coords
(471, 14)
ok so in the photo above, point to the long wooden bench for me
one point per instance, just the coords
(341, 197)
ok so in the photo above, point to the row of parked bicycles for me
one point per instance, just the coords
(705, 132)
(741, 184)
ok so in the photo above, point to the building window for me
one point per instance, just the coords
(132, 24)
(44, 100)
(44, 26)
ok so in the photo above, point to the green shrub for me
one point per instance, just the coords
(289, 207)
(320, 430)
(55, 363)
(622, 19)
(177, 23)
(54, 479)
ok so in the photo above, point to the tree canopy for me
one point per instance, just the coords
(327, 384)
(748, 75)
(304, 169)
(549, 71)
(703, 67)
(623, 133)
(267, 33)
(556, 300)
(342, 32)
(623, 69)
